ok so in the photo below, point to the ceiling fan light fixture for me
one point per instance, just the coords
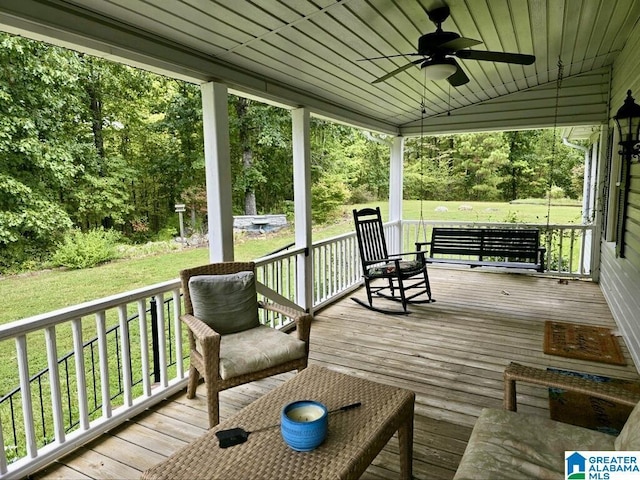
(439, 71)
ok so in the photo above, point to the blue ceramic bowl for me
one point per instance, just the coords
(304, 424)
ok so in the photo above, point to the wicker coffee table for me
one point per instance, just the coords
(355, 436)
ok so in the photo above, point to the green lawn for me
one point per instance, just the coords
(533, 211)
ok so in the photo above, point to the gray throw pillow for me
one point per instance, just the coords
(227, 303)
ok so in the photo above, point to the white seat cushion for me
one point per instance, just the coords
(256, 349)
(509, 445)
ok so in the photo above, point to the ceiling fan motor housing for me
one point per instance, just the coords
(430, 43)
(439, 15)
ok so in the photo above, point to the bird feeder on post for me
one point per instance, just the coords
(180, 209)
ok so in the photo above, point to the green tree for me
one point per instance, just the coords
(330, 167)
(519, 175)
(42, 145)
(455, 167)
(557, 164)
(480, 157)
(428, 168)
(366, 166)
(163, 142)
(261, 158)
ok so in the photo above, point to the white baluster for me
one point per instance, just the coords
(3, 455)
(177, 328)
(103, 355)
(25, 393)
(81, 380)
(54, 380)
(144, 346)
(126, 354)
(162, 340)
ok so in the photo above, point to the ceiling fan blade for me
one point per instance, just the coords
(397, 70)
(460, 43)
(414, 54)
(458, 78)
(503, 57)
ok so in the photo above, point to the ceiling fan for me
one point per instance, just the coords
(438, 49)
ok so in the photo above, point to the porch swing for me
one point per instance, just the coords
(488, 246)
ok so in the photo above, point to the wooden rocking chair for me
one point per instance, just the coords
(396, 271)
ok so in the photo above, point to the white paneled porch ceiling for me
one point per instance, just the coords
(306, 52)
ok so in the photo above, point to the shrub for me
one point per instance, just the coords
(361, 194)
(140, 232)
(512, 217)
(328, 195)
(167, 234)
(21, 256)
(86, 249)
(288, 208)
(556, 193)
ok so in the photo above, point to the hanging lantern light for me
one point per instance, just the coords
(628, 121)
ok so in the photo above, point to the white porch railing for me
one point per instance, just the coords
(337, 271)
(106, 381)
(107, 360)
(85, 369)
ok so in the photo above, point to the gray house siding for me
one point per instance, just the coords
(620, 277)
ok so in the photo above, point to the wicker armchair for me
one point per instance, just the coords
(225, 360)
(506, 444)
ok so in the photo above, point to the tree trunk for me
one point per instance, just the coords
(247, 155)
(249, 193)
(92, 88)
(513, 194)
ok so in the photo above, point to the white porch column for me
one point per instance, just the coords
(302, 208)
(395, 193)
(217, 162)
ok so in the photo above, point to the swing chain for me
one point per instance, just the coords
(555, 139)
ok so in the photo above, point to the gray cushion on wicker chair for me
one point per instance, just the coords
(227, 303)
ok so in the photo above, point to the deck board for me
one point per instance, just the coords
(451, 353)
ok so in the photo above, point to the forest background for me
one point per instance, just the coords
(91, 147)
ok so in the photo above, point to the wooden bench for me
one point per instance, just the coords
(488, 247)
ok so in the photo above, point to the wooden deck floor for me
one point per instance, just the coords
(451, 353)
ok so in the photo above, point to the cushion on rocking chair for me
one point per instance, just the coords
(406, 266)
